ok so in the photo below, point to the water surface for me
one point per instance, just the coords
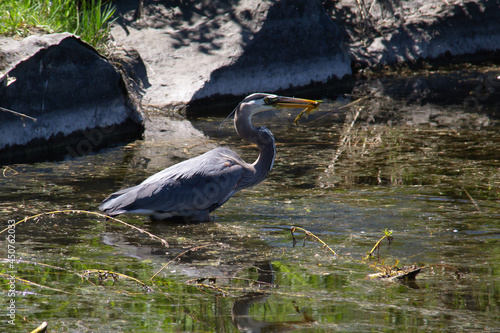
(425, 168)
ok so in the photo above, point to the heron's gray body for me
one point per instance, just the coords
(191, 189)
(194, 188)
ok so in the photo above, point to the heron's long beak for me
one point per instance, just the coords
(292, 102)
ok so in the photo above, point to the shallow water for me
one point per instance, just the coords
(427, 171)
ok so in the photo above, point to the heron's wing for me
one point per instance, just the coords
(201, 183)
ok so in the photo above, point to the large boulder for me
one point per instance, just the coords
(386, 32)
(76, 96)
(200, 49)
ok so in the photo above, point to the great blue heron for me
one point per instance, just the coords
(196, 187)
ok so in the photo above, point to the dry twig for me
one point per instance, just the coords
(76, 211)
(310, 234)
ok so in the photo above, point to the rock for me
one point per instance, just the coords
(196, 50)
(130, 61)
(399, 31)
(75, 95)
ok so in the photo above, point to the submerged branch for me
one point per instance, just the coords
(75, 211)
(471, 199)
(308, 233)
(177, 257)
(9, 276)
(104, 273)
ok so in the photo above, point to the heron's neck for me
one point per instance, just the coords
(265, 161)
(264, 139)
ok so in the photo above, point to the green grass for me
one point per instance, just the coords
(88, 19)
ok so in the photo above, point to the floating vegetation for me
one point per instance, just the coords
(394, 272)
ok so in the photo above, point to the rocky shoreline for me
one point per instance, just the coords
(184, 54)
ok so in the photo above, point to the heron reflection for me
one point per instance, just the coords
(240, 312)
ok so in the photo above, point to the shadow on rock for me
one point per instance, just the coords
(297, 45)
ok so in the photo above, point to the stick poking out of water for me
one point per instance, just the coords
(76, 211)
(310, 234)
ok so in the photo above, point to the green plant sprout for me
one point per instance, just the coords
(388, 235)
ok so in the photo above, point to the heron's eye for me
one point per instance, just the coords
(270, 100)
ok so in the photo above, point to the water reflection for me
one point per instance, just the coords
(242, 319)
(240, 312)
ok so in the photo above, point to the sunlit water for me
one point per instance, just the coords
(345, 175)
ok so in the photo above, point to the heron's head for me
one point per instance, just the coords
(259, 102)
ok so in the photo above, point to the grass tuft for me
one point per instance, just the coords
(88, 19)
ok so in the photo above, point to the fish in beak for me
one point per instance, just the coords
(292, 102)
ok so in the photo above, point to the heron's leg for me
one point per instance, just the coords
(198, 216)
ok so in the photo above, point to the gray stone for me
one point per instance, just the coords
(387, 32)
(68, 88)
(195, 50)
